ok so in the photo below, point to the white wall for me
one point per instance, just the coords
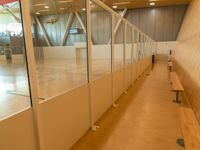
(98, 51)
(101, 51)
(59, 52)
(163, 49)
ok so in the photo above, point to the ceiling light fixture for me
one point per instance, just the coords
(114, 6)
(37, 13)
(42, 10)
(84, 9)
(40, 4)
(65, 1)
(122, 3)
(46, 7)
(151, 4)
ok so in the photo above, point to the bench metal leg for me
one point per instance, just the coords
(180, 142)
(177, 101)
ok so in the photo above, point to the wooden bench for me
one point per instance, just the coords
(170, 65)
(176, 85)
(190, 129)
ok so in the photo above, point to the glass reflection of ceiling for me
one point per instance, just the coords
(13, 6)
(41, 7)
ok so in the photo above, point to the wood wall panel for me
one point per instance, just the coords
(187, 54)
(160, 23)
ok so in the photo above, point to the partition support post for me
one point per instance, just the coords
(32, 72)
(138, 53)
(89, 65)
(124, 62)
(112, 60)
(132, 47)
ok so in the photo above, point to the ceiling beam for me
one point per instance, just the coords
(118, 23)
(12, 13)
(43, 31)
(68, 25)
(82, 24)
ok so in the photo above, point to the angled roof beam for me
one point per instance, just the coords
(43, 31)
(81, 23)
(118, 23)
(68, 25)
(12, 13)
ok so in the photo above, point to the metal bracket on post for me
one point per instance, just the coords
(177, 100)
(181, 142)
(95, 128)
(114, 105)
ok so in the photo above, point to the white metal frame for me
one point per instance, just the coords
(32, 67)
(32, 71)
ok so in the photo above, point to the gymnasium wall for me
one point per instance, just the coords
(101, 29)
(56, 30)
(187, 56)
(160, 23)
(72, 52)
(163, 49)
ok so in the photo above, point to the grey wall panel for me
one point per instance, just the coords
(101, 27)
(178, 19)
(150, 25)
(56, 30)
(160, 23)
(159, 26)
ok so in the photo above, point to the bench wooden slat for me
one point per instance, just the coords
(190, 129)
(176, 83)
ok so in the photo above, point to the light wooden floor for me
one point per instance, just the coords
(145, 119)
(14, 93)
(54, 76)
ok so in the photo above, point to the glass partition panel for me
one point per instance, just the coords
(59, 36)
(118, 43)
(140, 46)
(135, 46)
(129, 43)
(146, 45)
(101, 22)
(14, 85)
